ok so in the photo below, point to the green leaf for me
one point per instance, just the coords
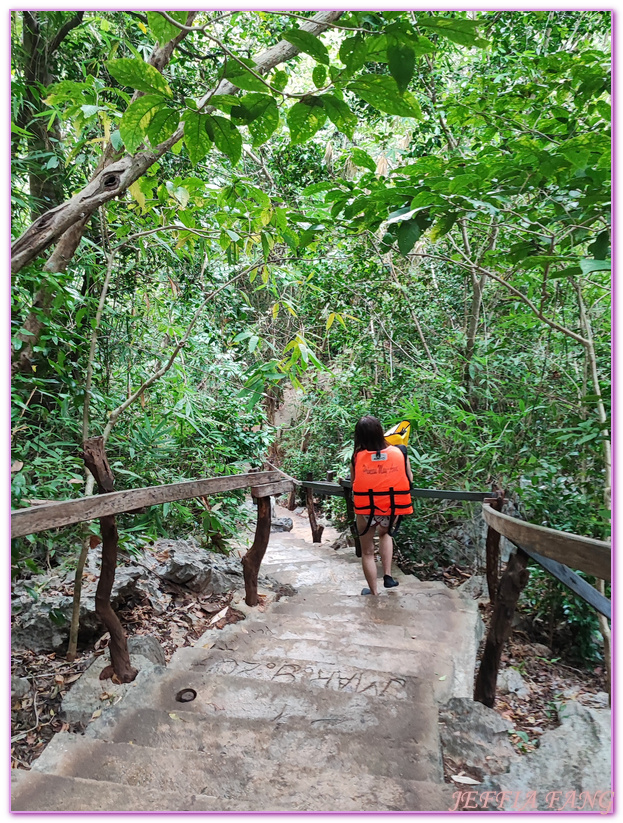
(319, 76)
(260, 113)
(242, 78)
(382, 92)
(196, 137)
(354, 53)
(136, 118)
(305, 41)
(442, 226)
(401, 59)
(340, 114)
(162, 124)
(224, 102)
(137, 74)
(459, 31)
(305, 118)
(363, 159)
(408, 234)
(280, 79)
(588, 266)
(226, 136)
(162, 30)
(315, 188)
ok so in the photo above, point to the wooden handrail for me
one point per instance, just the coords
(339, 490)
(65, 512)
(583, 553)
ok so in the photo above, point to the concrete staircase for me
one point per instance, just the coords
(326, 701)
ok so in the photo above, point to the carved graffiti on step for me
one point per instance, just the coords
(325, 677)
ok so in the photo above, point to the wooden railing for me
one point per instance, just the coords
(554, 551)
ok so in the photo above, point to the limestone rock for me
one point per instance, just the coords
(511, 682)
(574, 758)
(147, 646)
(475, 736)
(90, 694)
(281, 524)
(19, 687)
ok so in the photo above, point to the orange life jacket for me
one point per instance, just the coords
(381, 485)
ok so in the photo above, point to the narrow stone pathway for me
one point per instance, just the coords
(325, 701)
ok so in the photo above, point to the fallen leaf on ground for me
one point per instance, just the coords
(462, 778)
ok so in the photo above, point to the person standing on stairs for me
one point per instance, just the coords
(381, 482)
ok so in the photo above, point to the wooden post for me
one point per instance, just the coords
(352, 520)
(316, 529)
(511, 585)
(253, 558)
(95, 459)
(291, 504)
(493, 548)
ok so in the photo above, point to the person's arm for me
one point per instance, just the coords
(409, 472)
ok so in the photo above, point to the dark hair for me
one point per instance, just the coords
(369, 435)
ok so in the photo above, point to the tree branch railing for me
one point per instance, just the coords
(549, 548)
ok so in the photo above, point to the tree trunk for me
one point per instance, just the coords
(315, 528)
(493, 550)
(512, 583)
(95, 460)
(253, 558)
(113, 180)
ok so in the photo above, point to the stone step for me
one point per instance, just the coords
(40, 792)
(304, 673)
(298, 744)
(257, 699)
(228, 780)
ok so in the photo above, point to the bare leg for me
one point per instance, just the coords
(368, 562)
(386, 550)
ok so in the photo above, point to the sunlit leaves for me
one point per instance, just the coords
(461, 31)
(241, 77)
(319, 76)
(196, 138)
(162, 124)
(138, 74)
(305, 118)
(260, 113)
(225, 135)
(339, 114)
(306, 42)
(362, 158)
(161, 28)
(383, 93)
(135, 119)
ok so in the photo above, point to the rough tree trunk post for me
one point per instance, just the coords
(95, 460)
(291, 504)
(253, 558)
(352, 520)
(511, 585)
(493, 548)
(316, 529)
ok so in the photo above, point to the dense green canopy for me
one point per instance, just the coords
(402, 213)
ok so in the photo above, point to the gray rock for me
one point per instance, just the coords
(281, 524)
(190, 565)
(19, 687)
(511, 682)
(90, 694)
(475, 588)
(572, 759)
(475, 736)
(147, 646)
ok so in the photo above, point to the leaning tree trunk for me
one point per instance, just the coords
(95, 460)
